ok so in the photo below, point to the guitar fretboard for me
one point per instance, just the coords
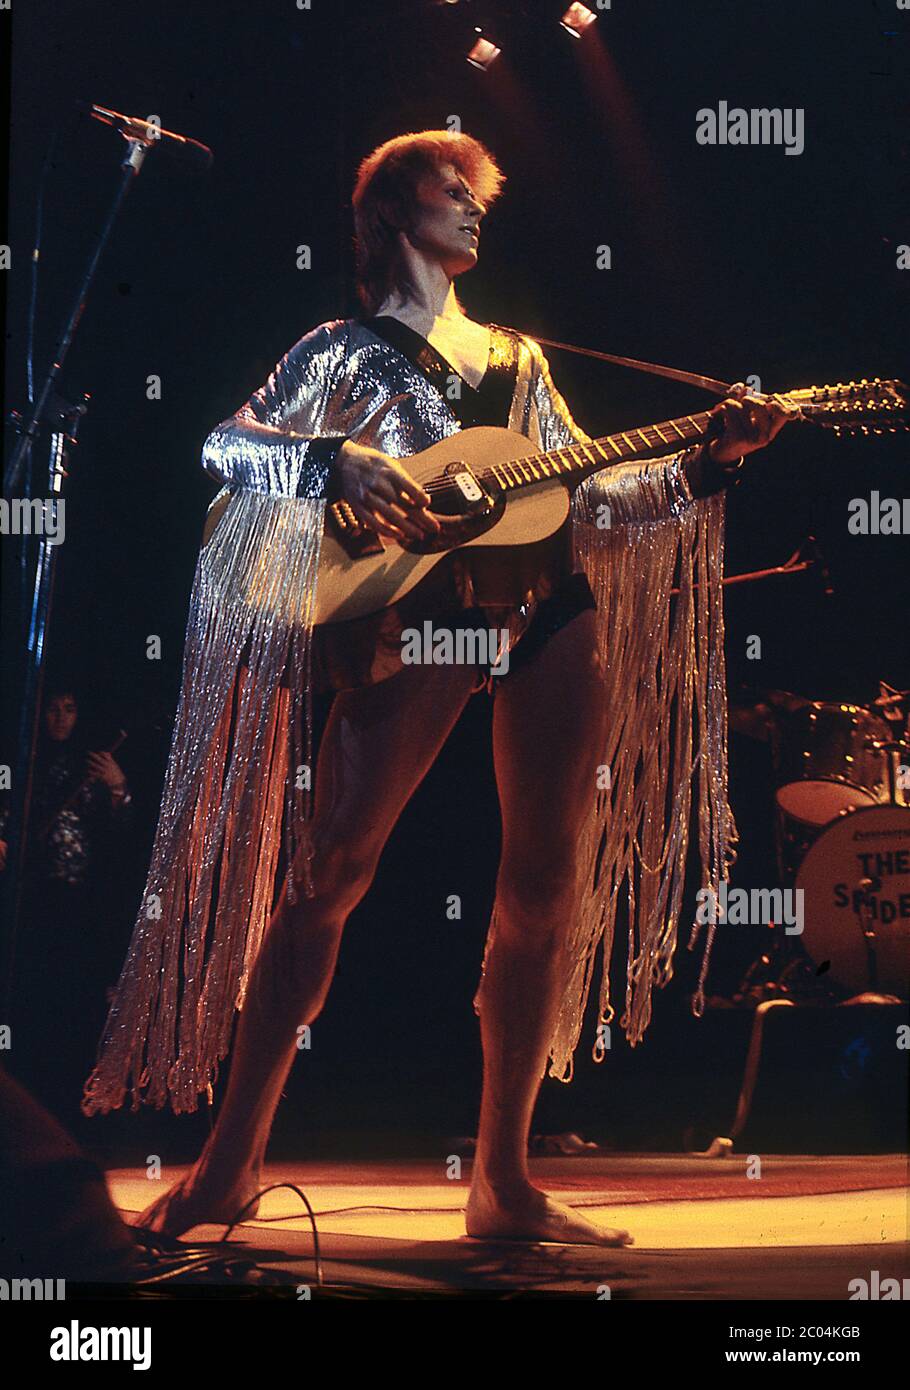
(593, 455)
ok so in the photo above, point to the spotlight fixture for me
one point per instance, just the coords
(483, 54)
(576, 20)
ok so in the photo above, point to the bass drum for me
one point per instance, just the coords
(871, 844)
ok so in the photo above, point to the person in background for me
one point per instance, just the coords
(65, 951)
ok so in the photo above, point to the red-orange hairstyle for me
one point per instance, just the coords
(385, 195)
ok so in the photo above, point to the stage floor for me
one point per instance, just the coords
(703, 1229)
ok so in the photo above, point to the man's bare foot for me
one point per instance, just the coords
(199, 1200)
(518, 1211)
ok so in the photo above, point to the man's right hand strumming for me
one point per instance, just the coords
(382, 494)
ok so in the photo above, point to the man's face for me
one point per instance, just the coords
(60, 717)
(447, 220)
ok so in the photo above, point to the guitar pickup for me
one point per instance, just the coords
(473, 493)
(356, 538)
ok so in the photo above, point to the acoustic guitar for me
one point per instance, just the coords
(491, 487)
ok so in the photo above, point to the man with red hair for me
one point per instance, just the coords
(599, 653)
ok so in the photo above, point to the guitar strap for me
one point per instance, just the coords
(707, 383)
(438, 371)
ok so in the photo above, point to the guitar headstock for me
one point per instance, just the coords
(855, 407)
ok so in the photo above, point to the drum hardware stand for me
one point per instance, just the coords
(805, 557)
(894, 704)
(722, 1145)
(782, 970)
(893, 750)
(765, 974)
(753, 976)
(867, 887)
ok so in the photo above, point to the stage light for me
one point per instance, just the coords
(483, 54)
(576, 20)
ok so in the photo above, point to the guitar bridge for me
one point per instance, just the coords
(356, 538)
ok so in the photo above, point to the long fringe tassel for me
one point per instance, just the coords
(237, 773)
(665, 715)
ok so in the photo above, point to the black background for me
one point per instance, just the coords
(728, 261)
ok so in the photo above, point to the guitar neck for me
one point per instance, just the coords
(579, 460)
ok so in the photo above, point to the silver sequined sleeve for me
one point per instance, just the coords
(273, 444)
(636, 491)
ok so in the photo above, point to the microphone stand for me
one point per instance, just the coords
(57, 416)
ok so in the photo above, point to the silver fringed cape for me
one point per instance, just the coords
(234, 791)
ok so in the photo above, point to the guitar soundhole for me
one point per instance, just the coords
(458, 527)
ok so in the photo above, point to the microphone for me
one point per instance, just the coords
(149, 133)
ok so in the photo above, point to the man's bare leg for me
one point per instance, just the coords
(547, 724)
(378, 745)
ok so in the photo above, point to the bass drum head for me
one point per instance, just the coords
(874, 844)
(818, 802)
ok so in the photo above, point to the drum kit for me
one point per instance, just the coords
(842, 812)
